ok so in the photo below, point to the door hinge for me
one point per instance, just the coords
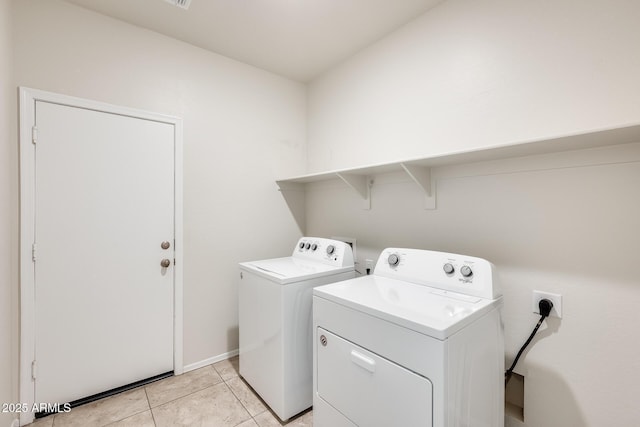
(33, 252)
(33, 369)
(34, 134)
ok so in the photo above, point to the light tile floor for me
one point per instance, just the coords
(213, 396)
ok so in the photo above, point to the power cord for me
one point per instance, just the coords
(545, 307)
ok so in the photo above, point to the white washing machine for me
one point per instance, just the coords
(418, 343)
(275, 320)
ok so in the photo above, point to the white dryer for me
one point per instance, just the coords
(275, 320)
(418, 343)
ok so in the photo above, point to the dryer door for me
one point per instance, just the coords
(368, 389)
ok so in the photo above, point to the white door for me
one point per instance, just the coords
(104, 203)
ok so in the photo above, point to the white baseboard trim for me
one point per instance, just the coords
(211, 360)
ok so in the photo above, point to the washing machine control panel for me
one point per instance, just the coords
(450, 272)
(326, 251)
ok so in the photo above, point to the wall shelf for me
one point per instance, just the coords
(360, 179)
(361, 184)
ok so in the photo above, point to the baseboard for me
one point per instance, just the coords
(211, 360)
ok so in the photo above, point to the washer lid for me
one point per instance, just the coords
(430, 311)
(288, 269)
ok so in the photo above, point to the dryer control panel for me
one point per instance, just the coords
(326, 251)
(450, 272)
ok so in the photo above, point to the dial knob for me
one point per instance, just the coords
(314, 247)
(331, 249)
(301, 245)
(307, 246)
(466, 271)
(448, 268)
(393, 260)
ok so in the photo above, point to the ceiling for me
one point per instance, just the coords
(298, 39)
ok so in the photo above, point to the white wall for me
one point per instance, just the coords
(472, 74)
(8, 378)
(242, 128)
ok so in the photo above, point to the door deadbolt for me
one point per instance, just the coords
(165, 245)
(165, 263)
(323, 340)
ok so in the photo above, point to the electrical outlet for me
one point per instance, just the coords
(556, 299)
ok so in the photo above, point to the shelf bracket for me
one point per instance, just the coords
(422, 177)
(360, 184)
(294, 195)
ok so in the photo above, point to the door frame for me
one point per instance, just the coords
(28, 98)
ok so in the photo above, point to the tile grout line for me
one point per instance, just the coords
(153, 418)
(54, 416)
(188, 394)
(122, 419)
(144, 388)
(226, 381)
(238, 399)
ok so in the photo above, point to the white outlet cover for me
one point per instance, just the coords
(556, 299)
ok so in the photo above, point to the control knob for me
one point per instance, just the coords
(393, 260)
(466, 271)
(314, 247)
(331, 249)
(301, 245)
(307, 246)
(448, 268)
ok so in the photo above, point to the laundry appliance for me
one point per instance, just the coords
(417, 343)
(275, 320)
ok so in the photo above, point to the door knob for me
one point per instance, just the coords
(165, 245)
(165, 263)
